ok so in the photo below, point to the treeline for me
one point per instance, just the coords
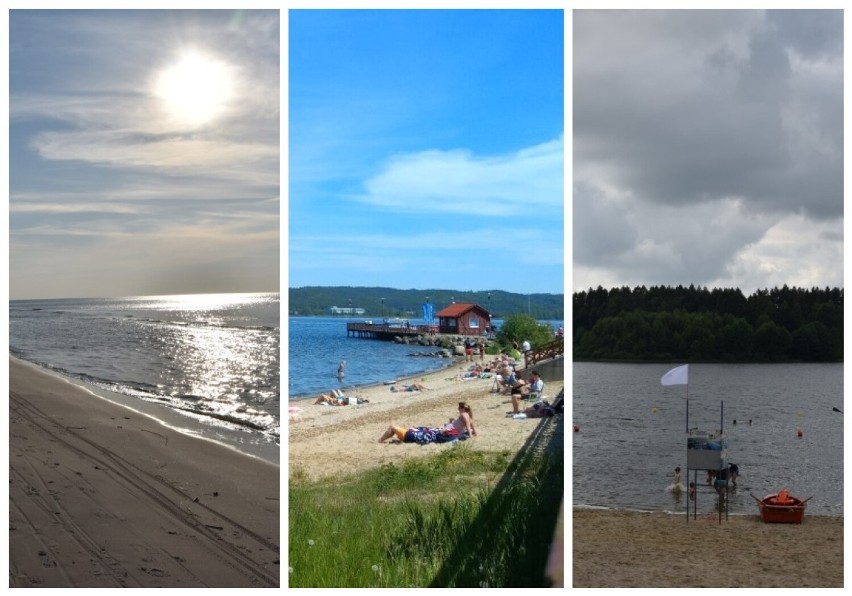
(392, 302)
(720, 325)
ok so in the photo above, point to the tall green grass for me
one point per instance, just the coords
(459, 518)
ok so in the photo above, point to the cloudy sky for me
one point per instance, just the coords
(144, 152)
(708, 148)
(426, 149)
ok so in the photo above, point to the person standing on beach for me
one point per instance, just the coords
(468, 350)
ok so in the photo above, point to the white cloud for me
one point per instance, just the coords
(217, 158)
(795, 251)
(460, 182)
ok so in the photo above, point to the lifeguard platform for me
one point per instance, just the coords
(708, 452)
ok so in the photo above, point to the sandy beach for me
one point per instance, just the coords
(630, 549)
(334, 440)
(101, 496)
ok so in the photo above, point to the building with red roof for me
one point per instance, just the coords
(463, 319)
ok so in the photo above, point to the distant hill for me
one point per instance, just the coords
(318, 300)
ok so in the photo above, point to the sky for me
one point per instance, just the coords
(144, 152)
(708, 148)
(426, 149)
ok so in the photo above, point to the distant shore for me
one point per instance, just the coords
(623, 549)
(103, 496)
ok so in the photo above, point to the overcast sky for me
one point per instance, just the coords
(708, 148)
(144, 152)
(426, 149)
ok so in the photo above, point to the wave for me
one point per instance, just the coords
(262, 422)
(205, 324)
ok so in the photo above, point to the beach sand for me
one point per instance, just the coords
(336, 440)
(102, 496)
(631, 549)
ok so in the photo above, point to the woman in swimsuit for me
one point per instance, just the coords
(456, 428)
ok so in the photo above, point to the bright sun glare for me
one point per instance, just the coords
(194, 89)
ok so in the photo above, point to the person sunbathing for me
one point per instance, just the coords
(412, 387)
(460, 428)
(473, 373)
(333, 398)
(338, 398)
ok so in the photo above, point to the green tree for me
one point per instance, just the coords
(772, 341)
(521, 327)
(812, 343)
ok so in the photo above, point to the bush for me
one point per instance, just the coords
(520, 328)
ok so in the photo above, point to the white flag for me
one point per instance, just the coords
(676, 376)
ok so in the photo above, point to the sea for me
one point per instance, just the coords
(318, 344)
(208, 364)
(632, 434)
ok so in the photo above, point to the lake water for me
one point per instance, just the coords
(318, 344)
(632, 433)
(213, 358)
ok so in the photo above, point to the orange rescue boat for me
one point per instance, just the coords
(781, 508)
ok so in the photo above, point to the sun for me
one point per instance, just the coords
(195, 89)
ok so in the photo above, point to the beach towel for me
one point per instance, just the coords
(423, 435)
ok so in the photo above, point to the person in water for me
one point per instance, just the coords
(677, 486)
(460, 427)
(733, 472)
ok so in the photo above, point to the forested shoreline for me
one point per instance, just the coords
(695, 324)
(394, 302)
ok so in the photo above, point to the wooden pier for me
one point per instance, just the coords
(387, 331)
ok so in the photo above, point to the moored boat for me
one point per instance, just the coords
(782, 508)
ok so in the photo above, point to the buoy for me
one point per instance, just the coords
(654, 410)
(576, 428)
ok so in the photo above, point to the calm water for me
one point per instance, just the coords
(318, 344)
(212, 357)
(632, 433)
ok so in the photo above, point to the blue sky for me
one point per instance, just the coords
(144, 152)
(426, 149)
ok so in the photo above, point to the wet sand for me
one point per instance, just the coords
(336, 440)
(102, 496)
(629, 549)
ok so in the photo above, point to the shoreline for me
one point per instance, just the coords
(617, 548)
(103, 496)
(174, 419)
(456, 360)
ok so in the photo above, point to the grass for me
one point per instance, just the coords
(458, 518)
